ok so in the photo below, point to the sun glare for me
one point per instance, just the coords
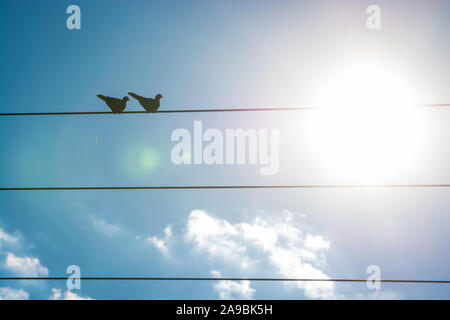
(366, 129)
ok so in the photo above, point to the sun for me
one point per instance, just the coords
(366, 129)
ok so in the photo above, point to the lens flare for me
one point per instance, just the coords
(139, 161)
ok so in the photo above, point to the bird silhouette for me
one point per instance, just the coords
(149, 104)
(115, 104)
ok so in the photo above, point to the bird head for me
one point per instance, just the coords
(158, 96)
(125, 98)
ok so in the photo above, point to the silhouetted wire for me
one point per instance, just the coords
(329, 186)
(229, 279)
(218, 187)
(185, 111)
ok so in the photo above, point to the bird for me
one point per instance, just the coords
(149, 104)
(115, 104)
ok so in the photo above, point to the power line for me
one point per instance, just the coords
(230, 279)
(185, 111)
(159, 111)
(329, 186)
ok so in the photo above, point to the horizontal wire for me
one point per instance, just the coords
(331, 186)
(228, 279)
(159, 111)
(185, 111)
(218, 187)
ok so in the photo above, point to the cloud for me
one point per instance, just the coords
(103, 227)
(376, 295)
(278, 242)
(216, 237)
(7, 293)
(6, 237)
(161, 244)
(158, 243)
(316, 242)
(26, 266)
(68, 295)
(168, 231)
(228, 289)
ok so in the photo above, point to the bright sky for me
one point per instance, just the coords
(225, 54)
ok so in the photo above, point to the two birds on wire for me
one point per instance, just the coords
(118, 105)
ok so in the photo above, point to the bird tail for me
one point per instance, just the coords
(134, 95)
(101, 97)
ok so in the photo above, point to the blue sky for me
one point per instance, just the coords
(223, 54)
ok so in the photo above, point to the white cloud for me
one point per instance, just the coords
(280, 242)
(56, 295)
(6, 237)
(7, 293)
(68, 295)
(158, 244)
(216, 237)
(168, 231)
(228, 289)
(316, 243)
(161, 244)
(376, 295)
(26, 266)
(103, 227)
